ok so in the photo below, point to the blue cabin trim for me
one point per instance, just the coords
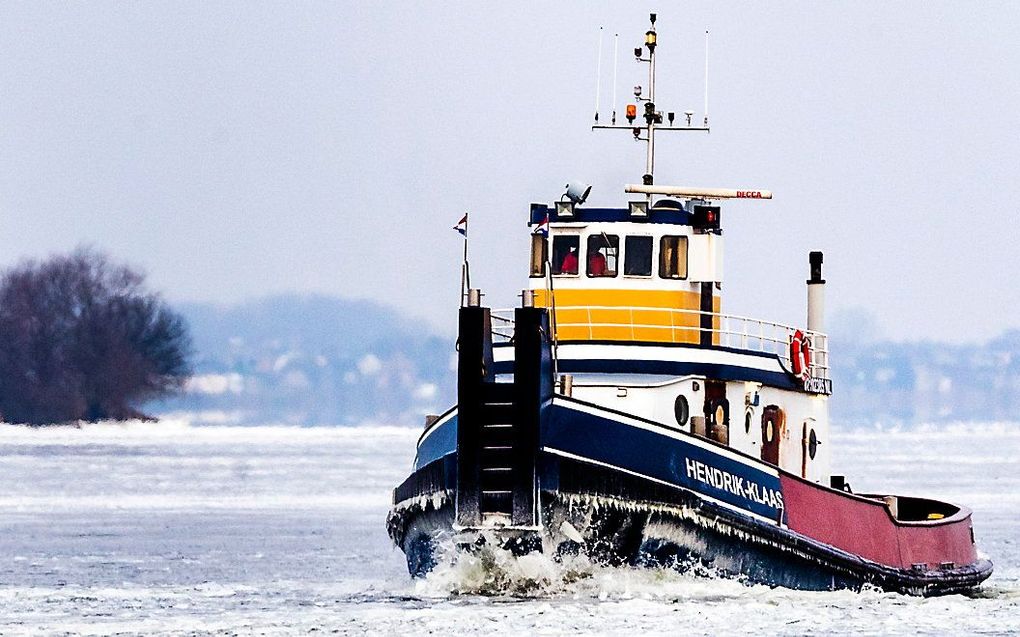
(674, 216)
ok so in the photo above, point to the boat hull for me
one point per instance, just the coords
(527, 469)
(629, 491)
(616, 518)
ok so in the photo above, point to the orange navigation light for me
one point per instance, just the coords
(631, 112)
(650, 40)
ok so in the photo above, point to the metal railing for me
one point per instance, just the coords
(669, 325)
(502, 325)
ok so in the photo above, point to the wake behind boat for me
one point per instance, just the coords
(621, 414)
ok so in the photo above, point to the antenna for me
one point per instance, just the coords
(706, 78)
(653, 118)
(616, 66)
(598, 76)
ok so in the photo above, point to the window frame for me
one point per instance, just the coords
(587, 254)
(651, 255)
(576, 236)
(544, 262)
(680, 238)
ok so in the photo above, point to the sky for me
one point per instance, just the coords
(236, 150)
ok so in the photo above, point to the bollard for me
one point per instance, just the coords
(474, 297)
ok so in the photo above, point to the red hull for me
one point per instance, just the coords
(865, 527)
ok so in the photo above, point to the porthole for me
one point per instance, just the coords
(748, 415)
(681, 410)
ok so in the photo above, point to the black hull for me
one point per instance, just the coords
(626, 520)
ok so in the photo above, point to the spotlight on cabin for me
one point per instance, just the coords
(577, 192)
(564, 209)
(638, 208)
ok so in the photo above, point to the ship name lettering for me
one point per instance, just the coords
(737, 485)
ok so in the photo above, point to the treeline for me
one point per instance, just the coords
(82, 338)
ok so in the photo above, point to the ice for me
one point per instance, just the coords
(169, 528)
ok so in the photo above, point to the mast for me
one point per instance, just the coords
(650, 41)
(652, 117)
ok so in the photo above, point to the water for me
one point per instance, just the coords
(172, 529)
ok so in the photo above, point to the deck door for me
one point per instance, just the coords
(772, 419)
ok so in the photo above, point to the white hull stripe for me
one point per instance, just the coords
(693, 355)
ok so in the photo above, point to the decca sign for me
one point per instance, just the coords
(750, 194)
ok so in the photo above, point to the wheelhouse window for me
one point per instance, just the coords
(564, 256)
(539, 254)
(637, 256)
(673, 257)
(603, 254)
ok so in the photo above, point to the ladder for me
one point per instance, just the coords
(496, 454)
(498, 423)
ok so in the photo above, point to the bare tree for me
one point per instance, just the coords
(82, 338)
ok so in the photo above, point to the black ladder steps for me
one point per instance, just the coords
(495, 458)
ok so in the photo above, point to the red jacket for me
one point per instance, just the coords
(569, 265)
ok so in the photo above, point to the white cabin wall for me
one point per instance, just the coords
(704, 258)
(798, 408)
(821, 467)
(742, 439)
(645, 402)
(656, 403)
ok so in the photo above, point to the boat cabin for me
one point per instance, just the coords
(616, 276)
(635, 298)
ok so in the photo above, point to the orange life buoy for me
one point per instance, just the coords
(800, 355)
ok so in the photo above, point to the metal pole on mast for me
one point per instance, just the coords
(650, 41)
(706, 78)
(598, 77)
(616, 65)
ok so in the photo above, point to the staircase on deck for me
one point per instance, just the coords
(496, 458)
(498, 423)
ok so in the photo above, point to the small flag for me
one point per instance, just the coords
(461, 226)
(543, 227)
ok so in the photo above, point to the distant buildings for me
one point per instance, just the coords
(315, 361)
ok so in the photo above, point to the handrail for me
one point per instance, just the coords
(733, 331)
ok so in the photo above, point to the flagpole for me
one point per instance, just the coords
(552, 312)
(465, 274)
(467, 265)
(551, 292)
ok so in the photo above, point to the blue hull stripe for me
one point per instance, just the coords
(441, 441)
(663, 458)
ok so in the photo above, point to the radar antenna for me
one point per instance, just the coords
(652, 117)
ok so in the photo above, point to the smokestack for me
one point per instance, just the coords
(816, 295)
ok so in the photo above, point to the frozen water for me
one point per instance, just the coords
(173, 529)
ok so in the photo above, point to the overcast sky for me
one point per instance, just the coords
(238, 150)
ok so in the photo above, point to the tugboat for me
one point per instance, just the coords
(621, 414)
